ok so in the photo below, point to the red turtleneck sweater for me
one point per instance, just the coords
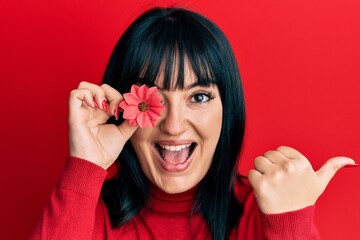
(76, 211)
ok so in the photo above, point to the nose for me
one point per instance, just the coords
(173, 122)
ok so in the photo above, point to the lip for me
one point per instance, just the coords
(174, 143)
(168, 167)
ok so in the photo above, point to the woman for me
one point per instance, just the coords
(177, 176)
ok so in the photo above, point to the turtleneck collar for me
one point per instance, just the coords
(178, 203)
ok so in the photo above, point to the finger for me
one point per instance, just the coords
(331, 166)
(79, 100)
(126, 130)
(113, 97)
(80, 96)
(290, 152)
(275, 157)
(254, 177)
(97, 93)
(262, 164)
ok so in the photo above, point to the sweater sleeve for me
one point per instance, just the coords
(292, 225)
(71, 211)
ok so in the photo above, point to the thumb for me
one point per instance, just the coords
(126, 130)
(331, 166)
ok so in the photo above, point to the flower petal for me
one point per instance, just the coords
(131, 99)
(153, 115)
(132, 122)
(141, 92)
(150, 92)
(123, 105)
(157, 109)
(154, 100)
(134, 89)
(131, 112)
(143, 119)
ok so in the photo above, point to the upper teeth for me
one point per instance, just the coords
(174, 148)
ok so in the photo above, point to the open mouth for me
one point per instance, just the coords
(175, 154)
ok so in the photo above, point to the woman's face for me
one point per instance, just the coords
(176, 154)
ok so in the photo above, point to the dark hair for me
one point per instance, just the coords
(151, 45)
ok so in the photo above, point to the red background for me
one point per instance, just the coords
(299, 62)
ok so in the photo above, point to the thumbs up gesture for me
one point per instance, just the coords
(284, 180)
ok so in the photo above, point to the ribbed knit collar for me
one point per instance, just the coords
(177, 203)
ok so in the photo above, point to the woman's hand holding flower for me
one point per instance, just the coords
(90, 106)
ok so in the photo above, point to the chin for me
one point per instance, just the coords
(173, 186)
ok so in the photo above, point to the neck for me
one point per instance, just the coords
(177, 203)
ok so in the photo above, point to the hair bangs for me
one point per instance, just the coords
(170, 53)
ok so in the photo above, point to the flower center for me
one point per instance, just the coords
(143, 106)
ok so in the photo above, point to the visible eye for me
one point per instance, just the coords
(201, 97)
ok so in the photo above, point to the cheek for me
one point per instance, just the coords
(142, 151)
(209, 129)
(210, 124)
(141, 136)
(140, 142)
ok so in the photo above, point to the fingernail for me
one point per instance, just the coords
(351, 165)
(116, 113)
(104, 105)
(95, 103)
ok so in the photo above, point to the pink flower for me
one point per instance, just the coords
(142, 106)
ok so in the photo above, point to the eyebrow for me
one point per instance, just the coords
(186, 88)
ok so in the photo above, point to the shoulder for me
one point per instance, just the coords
(242, 188)
(245, 196)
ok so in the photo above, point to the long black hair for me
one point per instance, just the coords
(159, 42)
